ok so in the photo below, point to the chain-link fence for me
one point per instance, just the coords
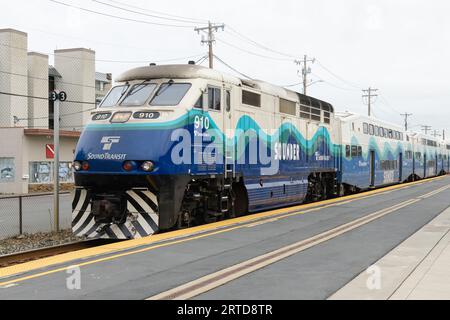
(27, 120)
(29, 214)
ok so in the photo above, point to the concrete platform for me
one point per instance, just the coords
(143, 268)
(418, 269)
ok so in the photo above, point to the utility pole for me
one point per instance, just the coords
(443, 134)
(406, 115)
(369, 94)
(426, 129)
(436, 133)
(210, 29)
(305, 70)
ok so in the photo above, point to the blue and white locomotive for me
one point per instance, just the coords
(180, 145)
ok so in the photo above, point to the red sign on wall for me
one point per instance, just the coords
(50, 151)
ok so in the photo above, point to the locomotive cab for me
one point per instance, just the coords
(125, 169)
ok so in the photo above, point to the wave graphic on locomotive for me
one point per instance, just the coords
(180, 145)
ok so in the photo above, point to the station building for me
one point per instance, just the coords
(26, 114)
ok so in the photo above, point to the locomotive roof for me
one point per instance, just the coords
(188, 71)
(176, 71)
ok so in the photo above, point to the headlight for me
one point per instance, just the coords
(77, 165)
(121, 117)
(148, 166)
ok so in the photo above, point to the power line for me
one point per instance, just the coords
(141, 13)
(388, 104)
(230, 67)
(54, 34)
(42, 98)
(256, 44)
(251, 52)
(45, 79)
(194, 20)
(337, 76)
(107, 61)
(119, 17)
(332, 84)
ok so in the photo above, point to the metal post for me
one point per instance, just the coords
(20, 215)
(56, 165)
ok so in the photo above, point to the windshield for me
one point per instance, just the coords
(114, 96)
(139, 94)
(170, 94)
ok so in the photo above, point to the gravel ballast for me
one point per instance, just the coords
(29, 242)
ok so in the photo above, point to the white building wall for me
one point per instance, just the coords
(37, 87)
(13, 77)
(77, 68)
(12, 145)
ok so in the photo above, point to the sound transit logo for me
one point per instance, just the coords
(108, 142)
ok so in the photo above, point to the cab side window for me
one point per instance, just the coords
(214, 99)
(199, 103)
(228, 100)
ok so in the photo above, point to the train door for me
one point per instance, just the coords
(400, 167)
(436, 172)
(425, 165)
(372, 168)
(229, 143)
(338, 158)
(448, 163)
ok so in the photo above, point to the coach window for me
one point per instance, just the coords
(354, 151)
(288, 107)
(251, 98)
(377, 132)
(359, 151)
(326, 117)
(214, 98)
(347, 151)
(418, 156)
(365, 128)
(371, 130)
(390, 134)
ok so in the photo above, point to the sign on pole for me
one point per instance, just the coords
(50, 151)
(56, 97)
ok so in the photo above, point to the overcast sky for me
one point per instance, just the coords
(401, 47)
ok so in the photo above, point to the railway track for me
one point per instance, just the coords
(36, 254)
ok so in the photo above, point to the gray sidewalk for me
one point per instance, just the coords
(419, 268)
